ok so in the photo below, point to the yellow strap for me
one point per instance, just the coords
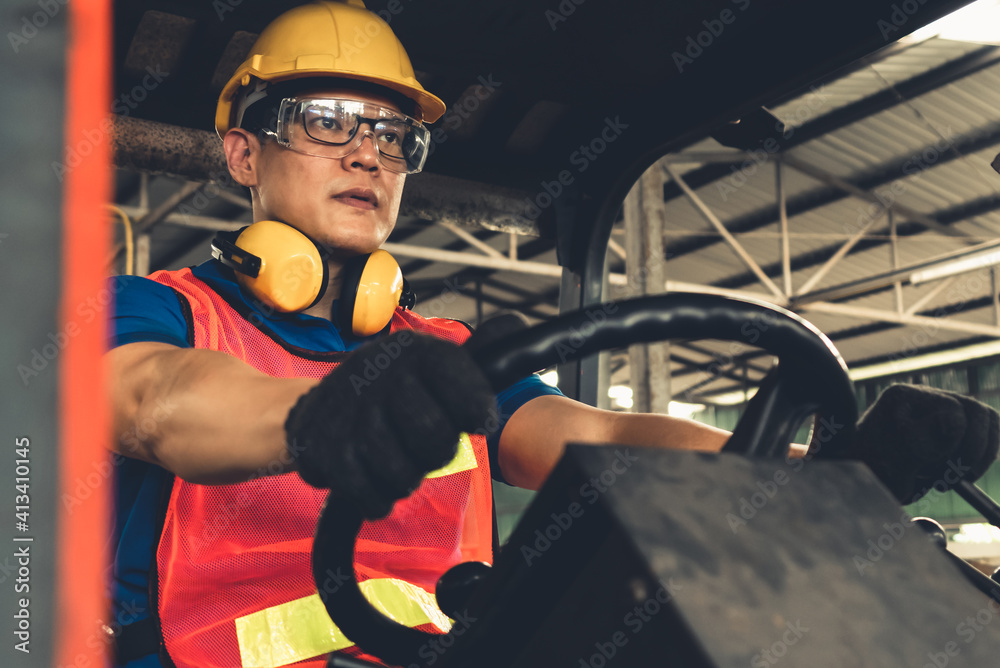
(464, 460)
(301, 629)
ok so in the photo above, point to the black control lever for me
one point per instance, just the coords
(979, 500)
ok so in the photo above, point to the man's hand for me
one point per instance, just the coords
(916, 437)
(389, 414)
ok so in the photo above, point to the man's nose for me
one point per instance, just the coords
(365, 155)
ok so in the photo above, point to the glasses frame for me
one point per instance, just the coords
(290, 106)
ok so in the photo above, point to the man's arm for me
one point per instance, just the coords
(205, 416)
(537, 433)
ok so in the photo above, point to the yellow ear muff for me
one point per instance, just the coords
(285, 269)
(277, 264)
(372, 289)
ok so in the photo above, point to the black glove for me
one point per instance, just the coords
(390, 413)
(496, 329)
(916, 437)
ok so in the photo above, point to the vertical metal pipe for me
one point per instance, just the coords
(638, 359)
(894, 258)
(142, 255)
(479, 303)
(786, 253)
(996, 296)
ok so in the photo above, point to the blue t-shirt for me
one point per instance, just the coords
(145, 310)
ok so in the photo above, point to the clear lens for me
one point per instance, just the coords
(335, 128)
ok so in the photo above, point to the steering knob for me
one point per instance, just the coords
(934, 531)
(455, 587)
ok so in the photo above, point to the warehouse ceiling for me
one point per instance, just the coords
(883, 157)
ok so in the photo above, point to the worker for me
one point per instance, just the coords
(248, 388)
(240, 409)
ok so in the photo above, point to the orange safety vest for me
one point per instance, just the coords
(234, 580)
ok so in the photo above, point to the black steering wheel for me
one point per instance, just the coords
(811, 378)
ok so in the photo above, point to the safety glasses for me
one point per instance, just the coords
(334, 128)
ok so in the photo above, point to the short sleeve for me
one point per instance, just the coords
(508, 401)
(145, 310)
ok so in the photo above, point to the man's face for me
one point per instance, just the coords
(348, 204)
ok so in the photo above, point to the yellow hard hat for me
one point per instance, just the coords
(328, 39)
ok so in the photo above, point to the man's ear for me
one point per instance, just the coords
(242, 149)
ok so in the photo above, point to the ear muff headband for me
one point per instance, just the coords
(235, 257)
(277, 264)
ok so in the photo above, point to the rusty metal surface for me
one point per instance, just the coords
(157, 148)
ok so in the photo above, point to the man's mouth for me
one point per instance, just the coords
(361, 198)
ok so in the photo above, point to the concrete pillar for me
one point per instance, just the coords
(649, 365)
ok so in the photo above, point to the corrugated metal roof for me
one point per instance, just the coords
(914, 154)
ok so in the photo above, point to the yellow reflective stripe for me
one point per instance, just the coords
(464, 460)
(287, 633)
(404, 602)
(301, 629)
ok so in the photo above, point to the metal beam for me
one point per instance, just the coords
(500, 262)
(473, 260)
(927, 298)
(707, 214)
(947, 324)
(150, 219)
(786, 253)
(500, 302)
(233, 198)
(965, 211)
(844, 249)
(190, 220)
(885, 279)
(860, 193)
(995, 295)
(542, 269)
(691, 368)
(618, 280)
(969, 143)
(470, 239)
(717, 356)
(875, 103)
(154, 217)
(142, 250)
(726, 157)
(196, 155)
(617, 249)
(897, 287)
(517, 291)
